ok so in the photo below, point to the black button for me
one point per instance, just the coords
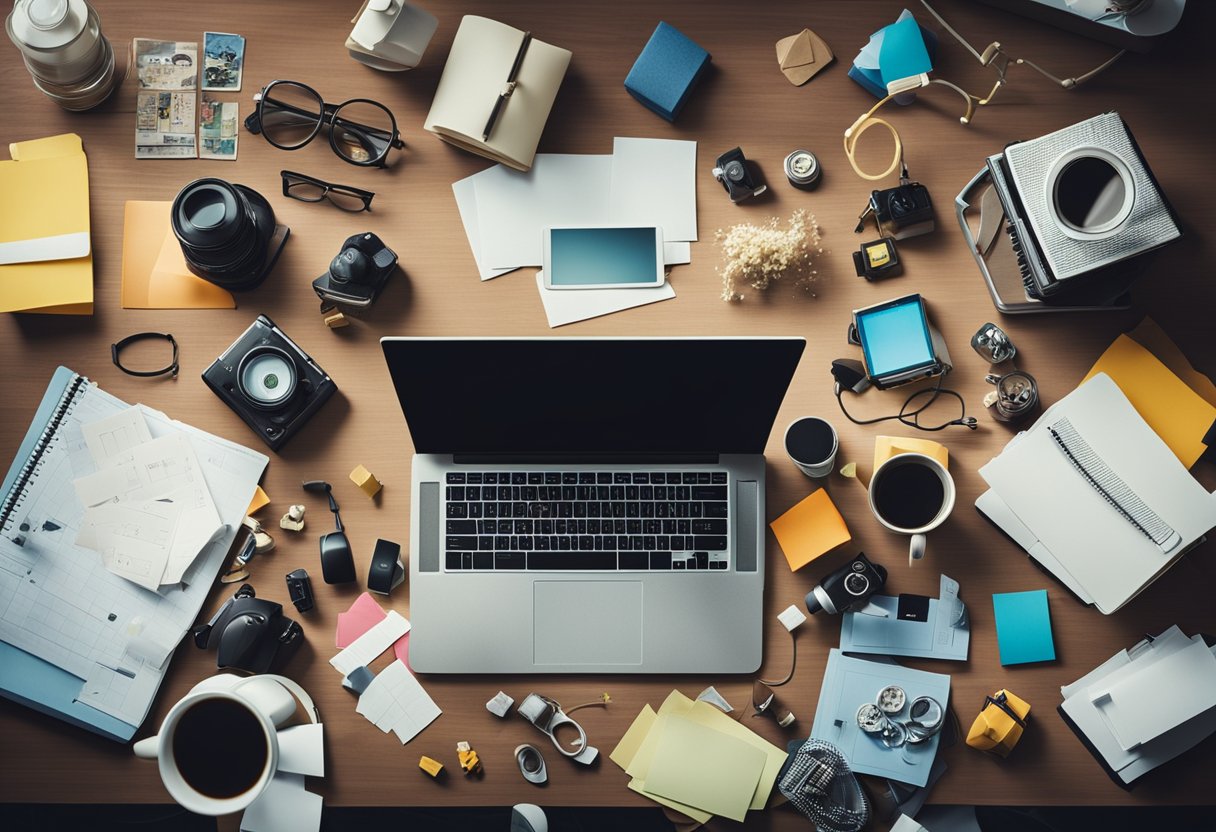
(452, 561)
(509, 560)
(710, 543)
(462, 527)
(660, 560)
(455, 477)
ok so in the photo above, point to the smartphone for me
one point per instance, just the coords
(603, 257)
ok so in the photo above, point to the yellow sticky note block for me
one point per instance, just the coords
(431, 767)
(886, 447)
(1175, 412)
(810, 529)
(260, 500)
(367, 483)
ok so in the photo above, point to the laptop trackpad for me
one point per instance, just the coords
(587, 622)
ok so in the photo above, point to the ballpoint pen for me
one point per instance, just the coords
(509, 88)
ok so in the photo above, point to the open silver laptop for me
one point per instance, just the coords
(588, 505)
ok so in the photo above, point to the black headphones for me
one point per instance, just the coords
(849, 374)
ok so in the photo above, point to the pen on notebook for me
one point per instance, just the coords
(508, 88)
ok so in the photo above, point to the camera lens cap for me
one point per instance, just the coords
(734, 171)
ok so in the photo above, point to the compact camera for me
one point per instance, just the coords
(270, 382)
(738, 176)
(848, 588)
(358, 273)
(900, 212)
(253, 634)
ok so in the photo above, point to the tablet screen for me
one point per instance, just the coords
(895, 337)
(598, 256)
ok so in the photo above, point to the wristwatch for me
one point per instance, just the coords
(548, 716)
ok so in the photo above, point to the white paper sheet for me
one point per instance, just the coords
(654, 182)
(514, 207)
(285, 806)
(110, 440)
(302, 750)
(371, 644)
(134, 538)
(465, 191)
(677, 253)
(396, 701)
(567, 306)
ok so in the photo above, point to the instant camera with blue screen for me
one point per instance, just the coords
(897, 342)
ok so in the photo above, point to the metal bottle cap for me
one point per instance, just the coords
(803, 170)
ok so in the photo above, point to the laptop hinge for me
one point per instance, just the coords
(586, 459)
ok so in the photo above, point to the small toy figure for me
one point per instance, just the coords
(366, 481)
(293, 520)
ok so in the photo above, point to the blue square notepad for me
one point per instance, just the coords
(1023, 627)
(666, 71)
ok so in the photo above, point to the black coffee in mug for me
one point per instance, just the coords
(908, 495)
(220, 748)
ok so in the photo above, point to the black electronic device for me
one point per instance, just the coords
(272, 384)
(900, 212)
(337, 562)
(358, 272)
(740, 177)
(299, 590)
(253, 634)
(227, 233)
(878, 260)
(848, 588)
(386, 570)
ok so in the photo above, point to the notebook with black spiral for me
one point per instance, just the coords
(77, 641)
(1096, 497)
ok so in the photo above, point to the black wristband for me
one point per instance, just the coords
(115, 349)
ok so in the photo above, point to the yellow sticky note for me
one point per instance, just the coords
(627, 748)
(774, 757)
(811, 528)
(259, 500)
(1175, 412)
(886, 447)
(704, 768)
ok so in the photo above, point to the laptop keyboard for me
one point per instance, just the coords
(586, 521)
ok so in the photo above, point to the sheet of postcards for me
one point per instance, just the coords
(165, 104)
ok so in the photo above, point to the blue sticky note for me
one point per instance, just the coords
(1023, 627)
(903, 53)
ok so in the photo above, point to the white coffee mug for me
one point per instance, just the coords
(906, 509)
(262, 697)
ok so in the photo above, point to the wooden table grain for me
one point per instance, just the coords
(743, 100)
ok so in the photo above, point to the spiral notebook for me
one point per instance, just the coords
(76, 641)
(1096, 497)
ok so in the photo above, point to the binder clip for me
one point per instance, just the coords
(1000, 724)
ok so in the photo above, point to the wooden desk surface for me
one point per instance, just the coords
(743, 101)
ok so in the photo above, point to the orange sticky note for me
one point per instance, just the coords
(810, 529)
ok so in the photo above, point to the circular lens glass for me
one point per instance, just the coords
(856, 583)
(306, 191)
(291, 115)
(268, 378)
(362, 132)
(1090, 194)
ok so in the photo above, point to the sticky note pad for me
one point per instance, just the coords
(1023, 627)
(811, 528)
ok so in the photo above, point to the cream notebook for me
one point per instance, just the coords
(476, 73)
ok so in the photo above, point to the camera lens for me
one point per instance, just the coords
(734, 171)
(901, 203)
(856, 584)
(267, 377)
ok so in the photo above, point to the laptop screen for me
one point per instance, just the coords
(591, 395)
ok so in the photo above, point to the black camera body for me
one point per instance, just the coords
(740, 178)
(901, 212)
(253, 634)
(848, 588)
(358, 273)
(272, 384)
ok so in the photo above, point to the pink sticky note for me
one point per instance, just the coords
(401, 648)
(364, 614)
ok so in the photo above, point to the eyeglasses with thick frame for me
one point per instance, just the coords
(373, 142)
(310, 189)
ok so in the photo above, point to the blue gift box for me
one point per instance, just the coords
(666, 71)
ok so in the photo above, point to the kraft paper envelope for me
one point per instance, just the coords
(53, 169)
(154, 273)
(810, 529)
(1175, 412)
(803, 56)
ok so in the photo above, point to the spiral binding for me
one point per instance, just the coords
(16, 495)
(1107, 483)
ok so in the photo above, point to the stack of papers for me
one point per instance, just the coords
(1146, 705)
(46, 260)
(645, 182)
(691, 757)
(148, 510)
